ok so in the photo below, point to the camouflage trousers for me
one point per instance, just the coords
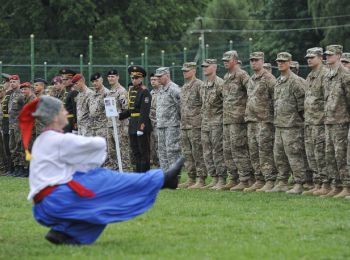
(101, 132)
(260, 143)
(213, 155)
(315, 145)
(84, 130)
(154, 147)
(2, 153)
(289, 154)
(124, 145)
(228, 155)
(16, 148)
(239, 149)
(169, 147)
(192, 150)
(336, 154)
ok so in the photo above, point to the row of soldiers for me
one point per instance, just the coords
(258, 133)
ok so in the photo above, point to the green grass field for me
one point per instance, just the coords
(192, 224)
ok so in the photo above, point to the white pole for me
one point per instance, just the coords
(117, 147)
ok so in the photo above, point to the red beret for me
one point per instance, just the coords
(14, 77)
(76, 78)
(25, 85)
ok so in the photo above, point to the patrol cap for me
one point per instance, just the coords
(294, 64)
(5, 76)
(137, 71)
(313, 52)
(14, 77)
(239, 62)
(25, 85)
(256, 55)
(229, 55)
(345, 57)
(333, 49)
(187, 66)
(267, 66)
(95, 76)
(284, 56)
(76, 78)
(208, 62)
(68, 72)
(57, 79)
(162, 71)
(40, 80)
(112, 72)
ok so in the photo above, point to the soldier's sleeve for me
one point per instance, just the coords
(346, 85)
(245, 79)
(145, 109)
(123, 100)
(299, 93)
(271, 82)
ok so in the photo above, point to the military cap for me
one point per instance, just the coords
(25, 85)
(256, 55)
(40, 80)
(76, 78)
(229, 55)
(345, 57)
(14, 77)
(112, 72)
(294, 64)
(137, 71)
(284, 56)
(267, 66)
(162, 71)
(95, 76)
(239, 62)
(187, 66)
(6, 76)
(333, 49)
(68, 72)
(57, 79)
(313, 52)
(208, 62)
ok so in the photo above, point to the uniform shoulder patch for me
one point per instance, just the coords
(146, 100)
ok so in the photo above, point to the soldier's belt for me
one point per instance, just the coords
(5, 115)
(70, 116)
(135, 114)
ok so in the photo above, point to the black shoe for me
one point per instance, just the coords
(57, 238)
(172, 175)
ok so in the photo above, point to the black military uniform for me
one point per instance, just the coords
(70, 102)
(139, 105)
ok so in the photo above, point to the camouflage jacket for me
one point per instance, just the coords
(289, 101)
(98, 118)
(83, 114)
(314, 97)
(337, 96)
(153, 114)
(260, 98)
(235, 96)
(121, 98)
(16, 103)
(168, 106)
(191, 104)
(212, 103)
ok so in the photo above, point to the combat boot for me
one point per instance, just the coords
(213, 182)
(308, 186)
(334, 191)
(220, 185)
(344, 193)
(297, 189)
(325, 188)
(172, 175)
(311, 192)
(282, 186)
(257, 185)
(268, 186)
(241, 186)
(190, 181)
(230, 184)
(199, 184)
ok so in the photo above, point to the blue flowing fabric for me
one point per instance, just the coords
(119, 197)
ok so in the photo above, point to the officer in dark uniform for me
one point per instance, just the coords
(139, 105)
(70, 100)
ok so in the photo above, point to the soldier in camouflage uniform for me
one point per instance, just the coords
(191, 127)
(294, 67)
(314, 120)
(337, 118)
(259, 116)
(289, 146)
(121, 97)
(153, 116)
(5, 125)
(2, 145)
(59, 89)
(168, 119)
(268, 67)
(345, 60)
(39, 86)
(83, 99)
(39, 90)
(235, 128)
(212, 128)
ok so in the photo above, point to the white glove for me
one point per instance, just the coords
(139, 133)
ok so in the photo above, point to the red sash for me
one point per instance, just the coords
(74, 185)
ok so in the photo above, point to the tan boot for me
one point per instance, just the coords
(188, 183)
(213, 182)
(241, 186)
(230, 184)
(220, 185)
(308, 186)
(257, 185)
(282, 186)
(268, 186)
(325, 188)
(199, 184)
(310, 192)
(344, 193)
(334, 191)
(297, 189)
(347, 197)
